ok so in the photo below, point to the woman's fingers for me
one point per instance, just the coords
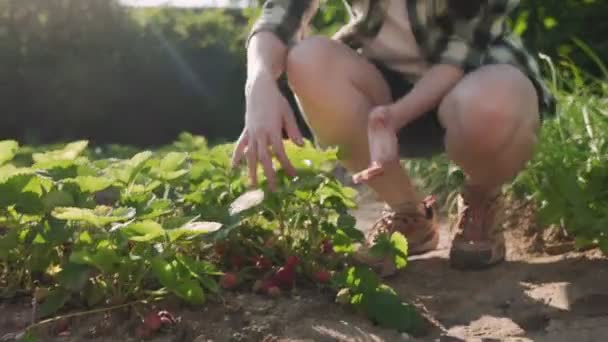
(374, 170)
(383, 143)
(252, 162)
(291, 128)
(279, 151)
(266, 161)
(239, 150)
(257, 150)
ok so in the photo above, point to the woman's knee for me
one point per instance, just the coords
(487, 110)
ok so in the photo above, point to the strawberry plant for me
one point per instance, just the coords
(81, 228)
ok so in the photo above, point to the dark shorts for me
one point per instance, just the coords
(422, 138)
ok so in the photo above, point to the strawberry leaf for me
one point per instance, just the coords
(143, 231)
(8, 148)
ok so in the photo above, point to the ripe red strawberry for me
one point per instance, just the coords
(229, 280)
(322, 276)
(285, 276)
(292, 261)
(152, 322)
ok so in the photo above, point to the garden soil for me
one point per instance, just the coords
(545, 291)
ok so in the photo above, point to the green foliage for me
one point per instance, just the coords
(100, 231)
(569, 173)
(553, 27)
(362, 289)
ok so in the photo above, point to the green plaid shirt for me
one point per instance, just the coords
(467, 34)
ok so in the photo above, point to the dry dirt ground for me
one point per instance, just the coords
(539, 294)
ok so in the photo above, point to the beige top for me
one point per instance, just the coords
(395, 45)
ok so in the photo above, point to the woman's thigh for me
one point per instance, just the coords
(335, 88)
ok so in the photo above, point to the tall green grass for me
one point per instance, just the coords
(568, 176)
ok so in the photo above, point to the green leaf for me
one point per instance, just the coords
(157, 208)
(171, 277)
(190, 291)
(361, 279)
(165, 272)
(400, 250)
(24, 191)
(384, 307)
(55, 232)
(170, 166)
(194, 229)
(91, 184)
(57, 198)
(172, 161)
(209, 283)
(85, 238)
(8, 241)
(143, 231)
(8, 148)
(342, 243)
(97, 217)
(8, 171)
(345, 224)
(70, 152)
(127, 171)
(393, 246)
(104, 259)
(74, 276)
(201, 271)
(309, 157)
(333, 190)
(41, 258)
(246, 201)
(55, 300)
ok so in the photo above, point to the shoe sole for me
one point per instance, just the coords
(428, 246)
(476, 260)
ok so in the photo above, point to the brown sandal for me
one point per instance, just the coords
(417, 224)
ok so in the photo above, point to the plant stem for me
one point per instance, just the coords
(82, 313)
(167, 189)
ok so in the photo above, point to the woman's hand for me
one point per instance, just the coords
(383, 143)
(267, 114)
